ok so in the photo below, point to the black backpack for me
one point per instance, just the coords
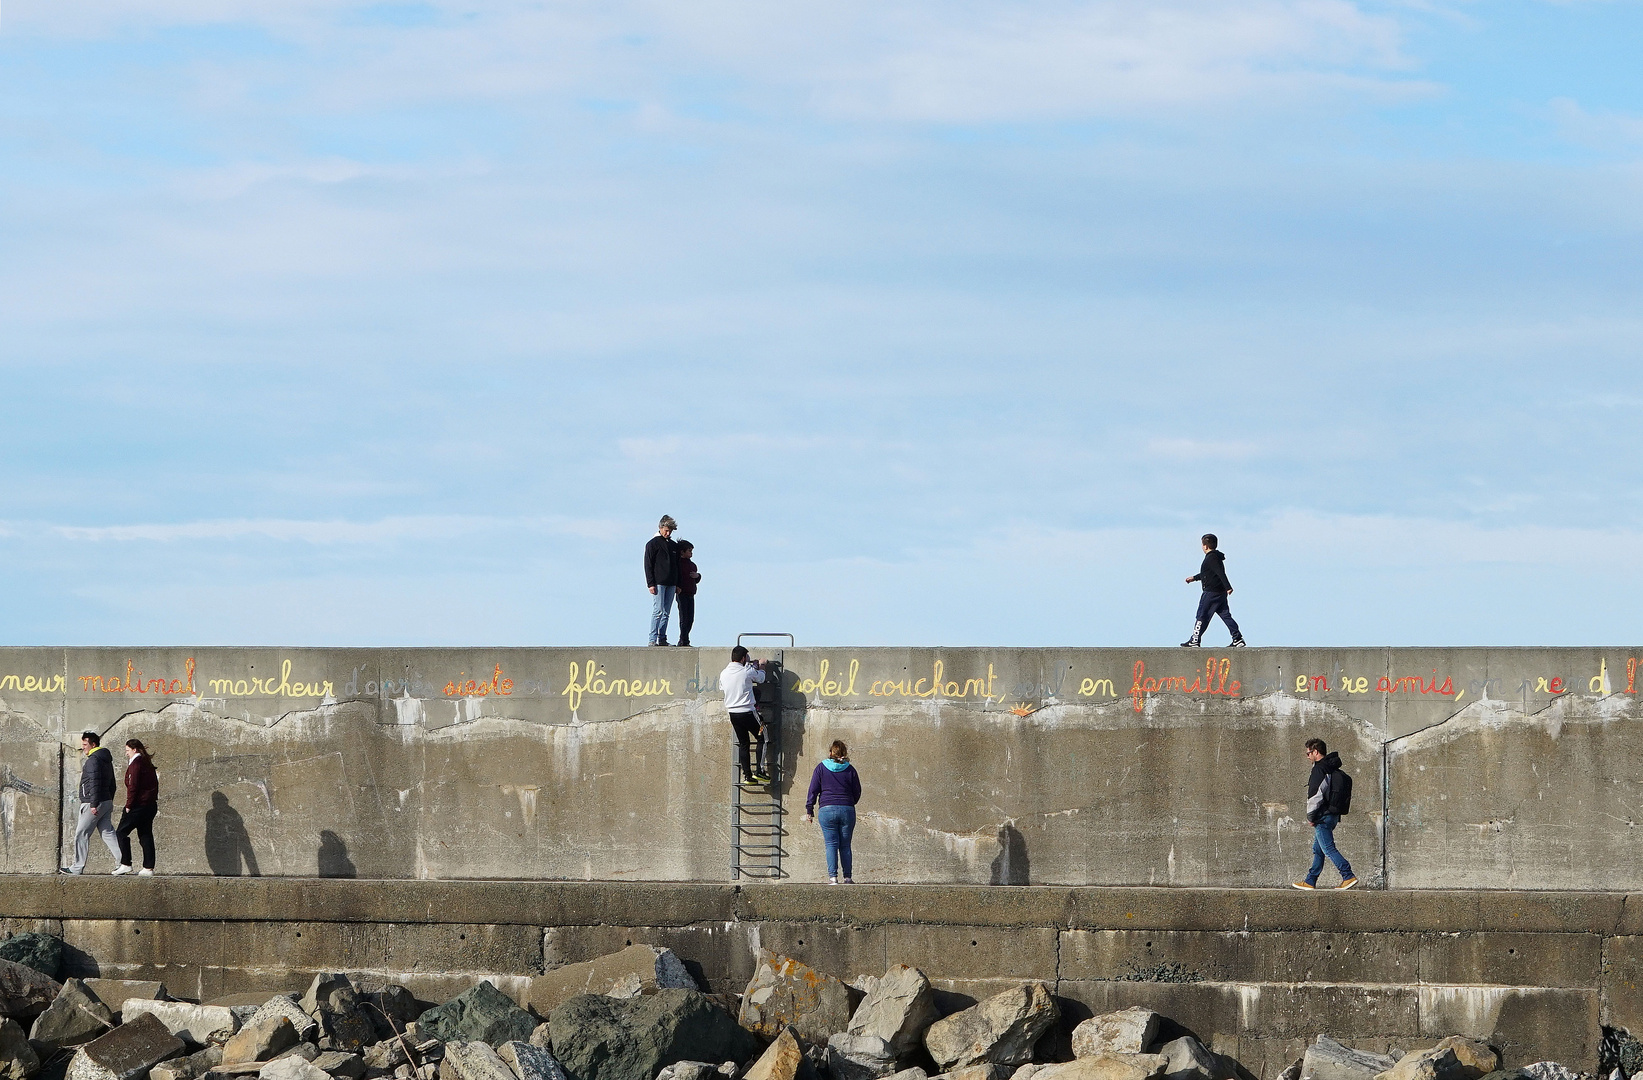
(1340, 793)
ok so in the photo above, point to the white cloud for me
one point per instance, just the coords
(1599, 130)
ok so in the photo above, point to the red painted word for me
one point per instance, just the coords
(114, 685)
(1204, 684)
(1410, 684)
(474, 688)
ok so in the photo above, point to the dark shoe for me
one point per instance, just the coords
(66, 870)
(1190, 645)
(1239, 644)
(761, 778)
(683, 644)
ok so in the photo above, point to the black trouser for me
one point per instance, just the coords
(748, 728)
(687, 616)
(140, 818)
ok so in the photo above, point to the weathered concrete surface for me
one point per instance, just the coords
(1484, 768)
(1254, 973)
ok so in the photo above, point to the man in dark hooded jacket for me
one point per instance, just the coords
(1328, 796)
(96, 802)
(1213, 576)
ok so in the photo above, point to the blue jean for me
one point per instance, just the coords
(837, 823)
(1210, 605)
(1323, 843)
(661, 605)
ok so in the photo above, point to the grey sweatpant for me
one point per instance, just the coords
(94, 818)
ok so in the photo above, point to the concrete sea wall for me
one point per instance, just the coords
(1255, 973)
(1474, 768)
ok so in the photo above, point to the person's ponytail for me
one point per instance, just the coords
(137, 745)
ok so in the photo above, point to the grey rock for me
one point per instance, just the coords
(126, 1053)
(261, 1040)
(785, 993)
(1327, 1059)
(987, 1070)
(74, 1018)
(17, 1058)
(479, 1014)
(1549, 1070)
(290, 1067)
(542, 1036)
(1002, 1029)
(286, 1005)
(473, 1061)
(42, 952)
(691, 1070)
(1128, 1031)
(1105, 1067)
(531, 1062)
(390, 1005)
(916, 1073)
(196, 1024)
(306, 1051)
(321, 990)
(1293, 1072)
(335, 1007)
(340, 1063)
(385, 1056)
(116, 992)
(898, 1009)
(637, 969)
(603, 1038)
(24, 992)
(188, 1068)
(1188, 1059)
(1025, 1072)
(859, 1057)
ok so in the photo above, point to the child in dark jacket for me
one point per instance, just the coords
(688, 577)
(1213, 576)
(837, 788)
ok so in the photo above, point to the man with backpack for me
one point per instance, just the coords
(1328, 799)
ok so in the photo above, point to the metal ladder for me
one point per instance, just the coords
(757, 829)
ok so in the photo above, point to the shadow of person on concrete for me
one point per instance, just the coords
(1011, 865)
(333, 856)
(227, 845)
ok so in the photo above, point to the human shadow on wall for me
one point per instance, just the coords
(1011, 865)
(227, 845)
(333, 856)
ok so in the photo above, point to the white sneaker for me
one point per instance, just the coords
(121, 869)
(145, 872)
(832, 881)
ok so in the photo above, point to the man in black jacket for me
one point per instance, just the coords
(661, 577)
(1328, 796)
(96, 802)
(1213, 575)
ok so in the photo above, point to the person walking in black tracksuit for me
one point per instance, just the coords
(1213, 576)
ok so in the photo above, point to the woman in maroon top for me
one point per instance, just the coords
(142, 802)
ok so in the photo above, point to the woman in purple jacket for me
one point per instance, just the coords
(836, 786)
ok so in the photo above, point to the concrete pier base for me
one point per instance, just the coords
(1256, 973)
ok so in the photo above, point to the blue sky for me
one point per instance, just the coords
(933, 323)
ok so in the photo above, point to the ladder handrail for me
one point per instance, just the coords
(789, 637)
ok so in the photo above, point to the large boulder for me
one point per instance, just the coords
(126, 1053)
(191, 1067)
(1002, 1029)
(340, 1063)
(783, 1059)
(473, 1061)
(1455, 1058)
(1188, 1059)
(898, 1009)
(530, 1062)
(343, 1024)
(260, 1040)
(24, 992)
(42, 952)
(1128, 1031)
(291, 1067)
(603, 1038)
(1549, 1070)
(635, 970)
(1104, 1067)
(859, 1057)
(285, 1005)
(481, 1013)
(987, 1070)
(784, 993)
(389, 1005)
(18, 1061)
(1327, 1059)
(196, 1024)
(75, 1017)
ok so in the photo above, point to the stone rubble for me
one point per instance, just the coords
(646, 1019)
